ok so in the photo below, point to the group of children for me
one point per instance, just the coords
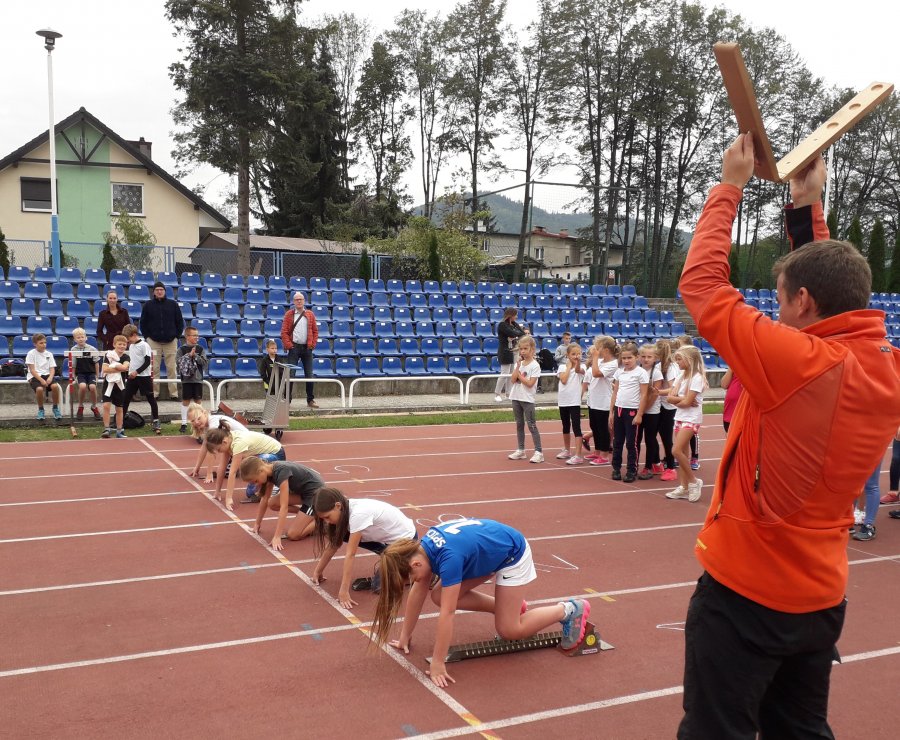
(635, 395)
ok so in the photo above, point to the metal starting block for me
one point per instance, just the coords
(588, 646)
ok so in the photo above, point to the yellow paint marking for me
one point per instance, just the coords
(413, 506)
(591, 591)
(700, 544)
(607, 598)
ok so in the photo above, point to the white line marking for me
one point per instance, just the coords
(113, 531)
(94, 498)
(81, 475)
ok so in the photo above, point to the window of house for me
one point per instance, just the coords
(566, 261)
(35, 194)
(539, 253)
(129, 198)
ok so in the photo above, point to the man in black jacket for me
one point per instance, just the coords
(162, 325)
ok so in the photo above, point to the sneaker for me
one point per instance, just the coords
(645, 474)
(864, 533)
(679, 492)
(96, 412)
(630, 477)
(40, 415)
(537, 457)
(252, 496)
(592, 456)
(694, 490)
(563, 455)
(575, 460)
(498, 399)
(695, 463)
(56, 414)
(312, 404)
(669, 474)
(658, 469)
(79, 415)
(517, 455)
(617, 475)
(183, 429)
(156, 426)
(600, 460)
(120, 434)
(890, 498)
(573, 627)
(895, 514)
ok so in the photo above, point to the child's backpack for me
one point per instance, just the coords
(12, 367)
(187, 366)
(546, 361)
(132, 420)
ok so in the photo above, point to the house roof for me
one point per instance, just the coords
(83, 115)
(283, 243)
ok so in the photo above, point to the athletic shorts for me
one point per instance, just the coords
(116, 398)
(86, 378)
(679, 425)
(517, 574)
(33, 382)
(191, 391)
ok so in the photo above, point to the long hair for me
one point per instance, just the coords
(215, 437)
(327, 534)
(630, 347)
(395, 572)
(606, 342)
(196, 408)
(695, 366)
(250, 467)
(509, 313)
(664, 353)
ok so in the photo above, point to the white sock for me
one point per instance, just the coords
(184, 410)
(569, 609)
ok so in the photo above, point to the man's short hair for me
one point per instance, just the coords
(188, 329)
(35, 338)
(129, 330)
(834, 273)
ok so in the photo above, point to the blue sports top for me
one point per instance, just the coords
(471, 548)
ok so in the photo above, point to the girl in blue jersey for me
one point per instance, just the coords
(462, 555)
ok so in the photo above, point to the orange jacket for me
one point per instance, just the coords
(818, 409)
(287, 329)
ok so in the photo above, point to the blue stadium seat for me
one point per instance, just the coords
(455, 300)
(484, 329)
(254, 311)
(35, 291)
(677, 328)
(345, 367)
(625, 301)
(323, 347)
(277, 282)
(651, 315)
(357, 285)
(248, 347)
(405, 329)
(369, 367)
(9, 290)
(250, 328)
(436, 300)
(143, 277)
(613, 290)
(418, 300)
(337, 284)
(317, 299)
(399, 300)
(629, 290)
(300, 283)
(207, 311)
(323, 367)
(467, 287)
(495, 365)
(230, 311)
(440, 314)
(220, 368)
(460, 314)
(233, 295)
(490, 301)
(222, 346)
(363, 329)
(543, 302)
(478, 314)
(44, 275)
(35, 324)
(338, 313)
(402, 314)
(412, 286)
(641, 302)
(539, 329)
(496, 314)
(204, 327)
(256, 295)
(365, 347)
(278, 297)
(341, 329)
(184, 293)
(10, 326)
(70, 275)
(473, 301)
(381, 299)
(509, 301)
(414, 366)
(235, 281)
(257, 282)
(490, 345)
(449, 286)
(551, 289)
(436, 365)
(362, 313)
(424, 329)
(584, 315)
(339, 298)
(471, 346)
(133, 308)
(21, 345)
(62, 291)
(213, 280)
(318, 283)
(65, 325)
(191, 280)
(343, 347)
(89, 324)
(479, 365)
(51, 308)
(388, 346)
(142, 293)
(409, 346)
(210, 295)
(431, 286)
(395, 286)
(360, 299)
(245, 367)
(324, 329)
(421, 314)
(391, 366)
(384, 329)
(430, 346)
(583, 289)
(22, 307)
(168, 278)
(518, 289)
(599, 290)
(227, 328)
(272, 328)
(376, 286)
(464, 329)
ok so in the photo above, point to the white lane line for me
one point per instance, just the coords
(94, 498)
(81, 475)
(46, 537)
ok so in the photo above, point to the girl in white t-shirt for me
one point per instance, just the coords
(670, 371)
(360, 522)
(629, 399)
(602, 365)
(686, 394)
(571, 386)
(650, 426)
(525, 375)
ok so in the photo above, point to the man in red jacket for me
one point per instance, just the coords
(299, 334)
(821, 401)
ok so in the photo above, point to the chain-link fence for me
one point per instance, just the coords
(28, 253)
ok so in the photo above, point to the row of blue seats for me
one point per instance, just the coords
(73, 275)
(317, 299)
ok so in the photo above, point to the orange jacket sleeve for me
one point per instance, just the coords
(312, 335)
(287, 325)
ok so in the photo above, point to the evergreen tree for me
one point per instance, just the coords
(129, 240)
(4, 253)
(434, 258)
(894, 284)
(832, 224)
(108, 263)
(365, 265)
(855, 235)
(734, 262)
(876, 257)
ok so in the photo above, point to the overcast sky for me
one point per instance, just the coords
(113, 59)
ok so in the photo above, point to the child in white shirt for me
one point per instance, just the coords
(650, 426)
(42, 371)
(686, 394)
(525, 375)
(629, 399)
(571, 386)
(603, 363)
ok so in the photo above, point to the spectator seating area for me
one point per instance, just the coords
(365, 328)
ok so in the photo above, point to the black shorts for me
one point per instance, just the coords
(191, 391)
(33, 382)
(86, 378)
(116, 397)
(143, 383)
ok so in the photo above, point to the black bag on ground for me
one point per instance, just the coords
(12, 367)
(546, 361)
(132, 420)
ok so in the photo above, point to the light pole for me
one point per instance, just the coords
(50, 36)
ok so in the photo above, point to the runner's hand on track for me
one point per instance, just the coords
(439, 674)
(398, 645)
(317, 579)
(276, 543)
(345, 600)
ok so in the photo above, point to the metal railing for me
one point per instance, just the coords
(255, 381)
(382, 378)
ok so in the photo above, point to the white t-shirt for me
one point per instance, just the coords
(672, 372)
(570, 392)
(519, 391)
(600, 389)
(694, 414)
(233, 424)
(42, 361)
(655, 375)
(628, 395)
(379, 521)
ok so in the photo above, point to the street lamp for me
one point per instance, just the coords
(50, 36)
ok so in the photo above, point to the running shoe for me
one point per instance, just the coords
(695, 463)
(890, 498)
(107, 433)
(694, 490)
(40, 414)
(498, 399)
(537, 457)
(96, 412)
(592, 455)
(56, 414)
(120, 434)
(894, 514)
(574, 626)
(79, 415)
(669, 474)
(864, 533)
(183, 429)
(575, 460)
(617, 475)
(658, 469)
(600, 460)
(563, 455)
(156, 427)
(517, 455)
(630, 477)
(645, 474)
(679, 492)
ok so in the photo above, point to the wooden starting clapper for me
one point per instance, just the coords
(743, 100)
(590, 645)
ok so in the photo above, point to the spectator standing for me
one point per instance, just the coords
(508, 333)
(299, 334)
(162, 325)
(110, 322)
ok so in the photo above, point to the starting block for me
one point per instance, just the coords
(590, 645)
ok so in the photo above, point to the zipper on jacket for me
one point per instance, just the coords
(726, 469)
(757, 474)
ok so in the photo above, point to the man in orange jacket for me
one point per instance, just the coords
(299, 335)
(821, 401)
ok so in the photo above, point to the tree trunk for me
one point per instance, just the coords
(243, 245)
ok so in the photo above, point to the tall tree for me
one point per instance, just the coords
(876, 256)
(4, 253)
(225, 78)
(855, 235)
(474, 43)
(894, 284)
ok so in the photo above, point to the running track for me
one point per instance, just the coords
(133, 605)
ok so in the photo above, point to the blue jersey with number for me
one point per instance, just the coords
(471, 548)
